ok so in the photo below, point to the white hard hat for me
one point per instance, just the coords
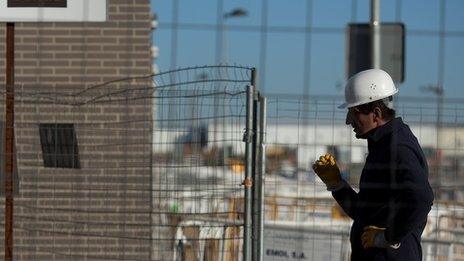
(368, 86)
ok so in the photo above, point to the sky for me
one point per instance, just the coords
(285, 70)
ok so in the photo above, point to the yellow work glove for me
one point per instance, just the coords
(326, 168)
(369, 235)
(373, 236)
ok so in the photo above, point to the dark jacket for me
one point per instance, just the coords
(394, 193)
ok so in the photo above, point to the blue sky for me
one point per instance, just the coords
(285, 49)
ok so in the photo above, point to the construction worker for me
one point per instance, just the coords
(390, 210)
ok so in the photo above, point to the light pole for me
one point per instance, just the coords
(221, 51)
(221, 58)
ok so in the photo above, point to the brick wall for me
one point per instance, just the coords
(102, 210)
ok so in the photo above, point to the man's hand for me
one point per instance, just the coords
(326, 168)
(369, 234)
(373, 236)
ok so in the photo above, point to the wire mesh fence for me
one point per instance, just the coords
(199, 163)
(153, 168)
(143, 168)
(301, 217)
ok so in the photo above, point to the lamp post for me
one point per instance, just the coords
(221, 58)
(221, 53)
(221, 48)
(234, 13)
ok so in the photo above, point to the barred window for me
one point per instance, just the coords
(59, 145)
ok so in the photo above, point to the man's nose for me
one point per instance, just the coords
(348, 118)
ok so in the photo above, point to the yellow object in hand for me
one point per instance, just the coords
(326, 168)
(369, 234)
(332, 161)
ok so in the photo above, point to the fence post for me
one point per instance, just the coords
(259, 183)
(254, 177)
(248, 183)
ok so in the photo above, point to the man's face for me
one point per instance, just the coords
(360, 122)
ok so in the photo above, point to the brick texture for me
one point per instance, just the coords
(102, 210)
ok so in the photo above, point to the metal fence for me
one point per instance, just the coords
(169, 167)
(300, 50)
(301, 217)
(201, 163)
(144, 168)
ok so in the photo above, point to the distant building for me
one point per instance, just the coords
(313, 140)
(300, 146)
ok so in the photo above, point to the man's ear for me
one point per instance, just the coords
(378, 116)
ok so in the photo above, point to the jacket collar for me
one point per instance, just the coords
(378, 133)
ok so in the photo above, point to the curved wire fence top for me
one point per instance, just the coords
(201, 94)
(200, 80)
(199, 121)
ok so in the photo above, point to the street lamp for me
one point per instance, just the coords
(221, 58)
(221, 51)
(222, 46)
(237, 12)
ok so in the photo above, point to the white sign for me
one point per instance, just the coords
(53, 10)
(299, 244)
